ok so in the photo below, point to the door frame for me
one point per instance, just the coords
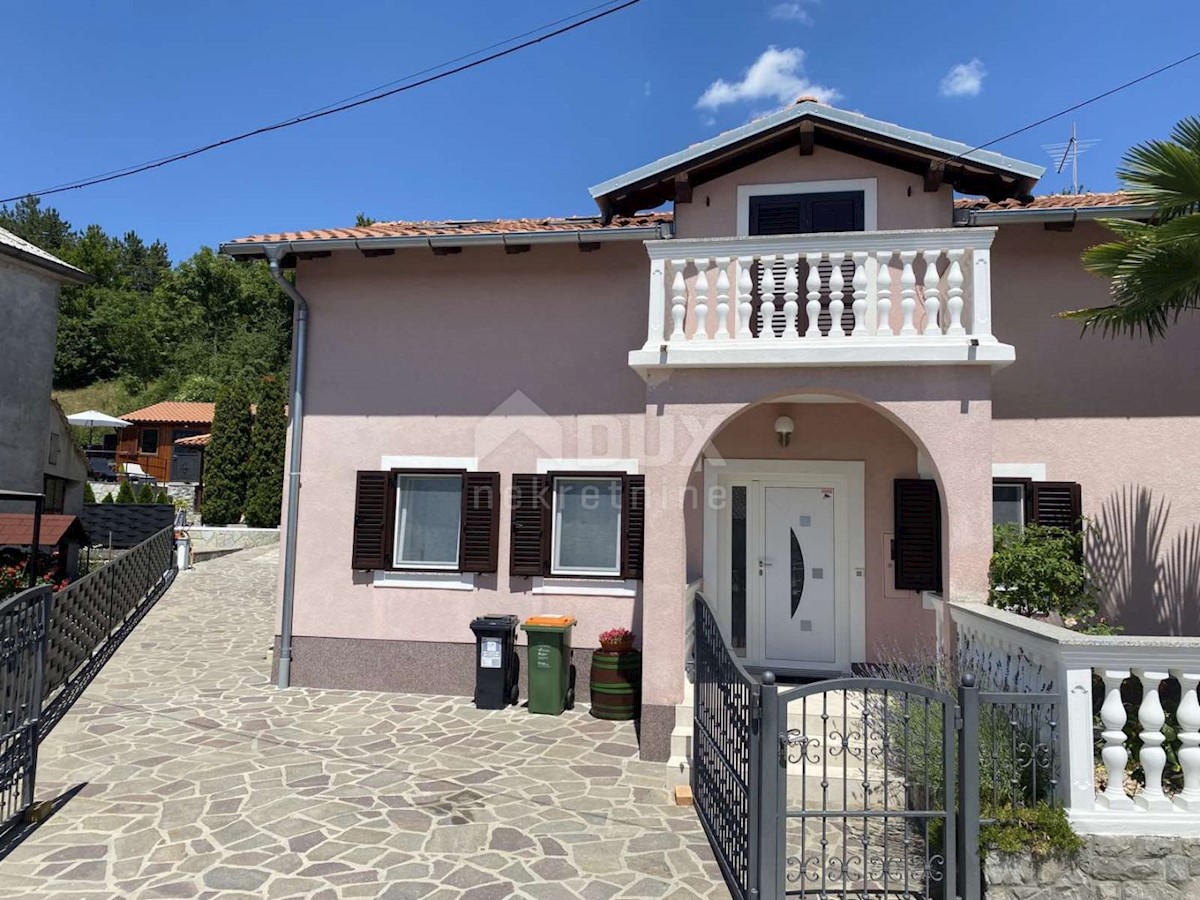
(846, 477)
(867, 186)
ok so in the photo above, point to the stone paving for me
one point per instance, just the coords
(197, 778)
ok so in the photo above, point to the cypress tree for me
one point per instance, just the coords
(227, 456)
(125, 493)
(145, 493)
(264, 495)
(89, 496)
(108, 498)
(162, 497)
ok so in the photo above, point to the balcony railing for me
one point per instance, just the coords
(847, 298)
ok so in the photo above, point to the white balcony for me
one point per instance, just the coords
(846, 298)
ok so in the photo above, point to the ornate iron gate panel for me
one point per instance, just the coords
(726, 753)
(865, 786)
(24, 626)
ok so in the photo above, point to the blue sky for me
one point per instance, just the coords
(97, 86)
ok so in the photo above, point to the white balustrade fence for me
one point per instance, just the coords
(1031, 656)
(889, 286)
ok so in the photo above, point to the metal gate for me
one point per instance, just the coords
(24, 629)
(857, 787)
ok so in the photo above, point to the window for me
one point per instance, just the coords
(148, 441)
(55, 445)
(55, 489)
(428, 521)
(578, 525)
(1008, 503)
(587, 526)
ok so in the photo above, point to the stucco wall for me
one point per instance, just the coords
(1119, 415)
(901, 198)
(29, 307)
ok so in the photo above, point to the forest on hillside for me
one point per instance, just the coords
(152, 330)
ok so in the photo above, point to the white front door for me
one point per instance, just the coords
(798, 576)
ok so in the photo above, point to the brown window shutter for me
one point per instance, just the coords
(529, 553)
(918, 547)
(1056, 504)
(479, 541)
(373, 503)
(633, 525)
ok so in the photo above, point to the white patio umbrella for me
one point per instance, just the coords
(93, 418)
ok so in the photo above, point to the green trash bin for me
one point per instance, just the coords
(551, 687)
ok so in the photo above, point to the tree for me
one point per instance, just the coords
(227, 455)
(145, 493)
(1154, 266)
(89, 496)
(264, 496)
(125, 493)
(163, 497)
(108, 498)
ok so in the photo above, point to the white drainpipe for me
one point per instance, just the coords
(274, 253)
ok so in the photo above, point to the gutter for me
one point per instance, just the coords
(274, 253)
(974, 217)
(498, 238)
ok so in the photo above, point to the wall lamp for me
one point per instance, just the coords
(784, 427)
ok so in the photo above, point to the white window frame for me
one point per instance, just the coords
(1013, 472)
(425, 565)
(868, 186)
(556, 529)
(1009, 484)
(427, 580)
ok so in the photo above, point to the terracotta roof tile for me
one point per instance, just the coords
(471, 226)
(196, 440)
(1047, 201)
(16, 529)
(174, 411)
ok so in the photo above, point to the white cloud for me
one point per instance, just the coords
(792, 12)
(775, 75)
(963, 80)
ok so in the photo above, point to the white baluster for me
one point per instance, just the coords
(702, 294)
(745, 289)
(883, 287)
(812, 309)
(791, 288)
(1114, 754)
(1188, 716)
(836, 305)
(860, 294)
(954, 292)
(933, 303)
(1153, 757)
(766, 311)
(678, 301)
(722, 332)
(908, 293)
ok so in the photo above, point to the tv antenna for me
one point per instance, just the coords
(1069, 151)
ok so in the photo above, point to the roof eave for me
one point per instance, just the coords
(973, 217)
(58, 269)
(248, 249)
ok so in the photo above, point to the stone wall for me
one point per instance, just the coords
(1144, 867)
(216, 540)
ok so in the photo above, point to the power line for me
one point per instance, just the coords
(343, 106)
(1081, 105)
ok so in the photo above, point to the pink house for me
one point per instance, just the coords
(811, 387)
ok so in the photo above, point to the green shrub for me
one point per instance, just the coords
(228, 455)
(1039, 570)
(125, 493)
(89, 496)
(108, 498)
(162, 497)
(1041, 830)
(145, 493)
(264, 495)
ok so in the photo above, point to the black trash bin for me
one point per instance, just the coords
(496, 663)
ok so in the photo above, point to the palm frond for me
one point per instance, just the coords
(1164, 174)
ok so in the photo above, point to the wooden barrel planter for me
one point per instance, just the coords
(616, 684)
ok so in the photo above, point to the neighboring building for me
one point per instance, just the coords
(34, 443)
(156, 440)
(66, 468)
(58, 534)
(814, 385)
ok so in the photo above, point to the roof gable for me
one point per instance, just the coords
(808, 123)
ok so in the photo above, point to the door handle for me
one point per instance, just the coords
(765, 562)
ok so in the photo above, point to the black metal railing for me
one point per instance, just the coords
(24, 626)
(53, 644)
(725, 753)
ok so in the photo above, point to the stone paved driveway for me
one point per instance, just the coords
(199, 779)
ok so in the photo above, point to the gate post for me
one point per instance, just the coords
(770, 796)
(968, 790)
